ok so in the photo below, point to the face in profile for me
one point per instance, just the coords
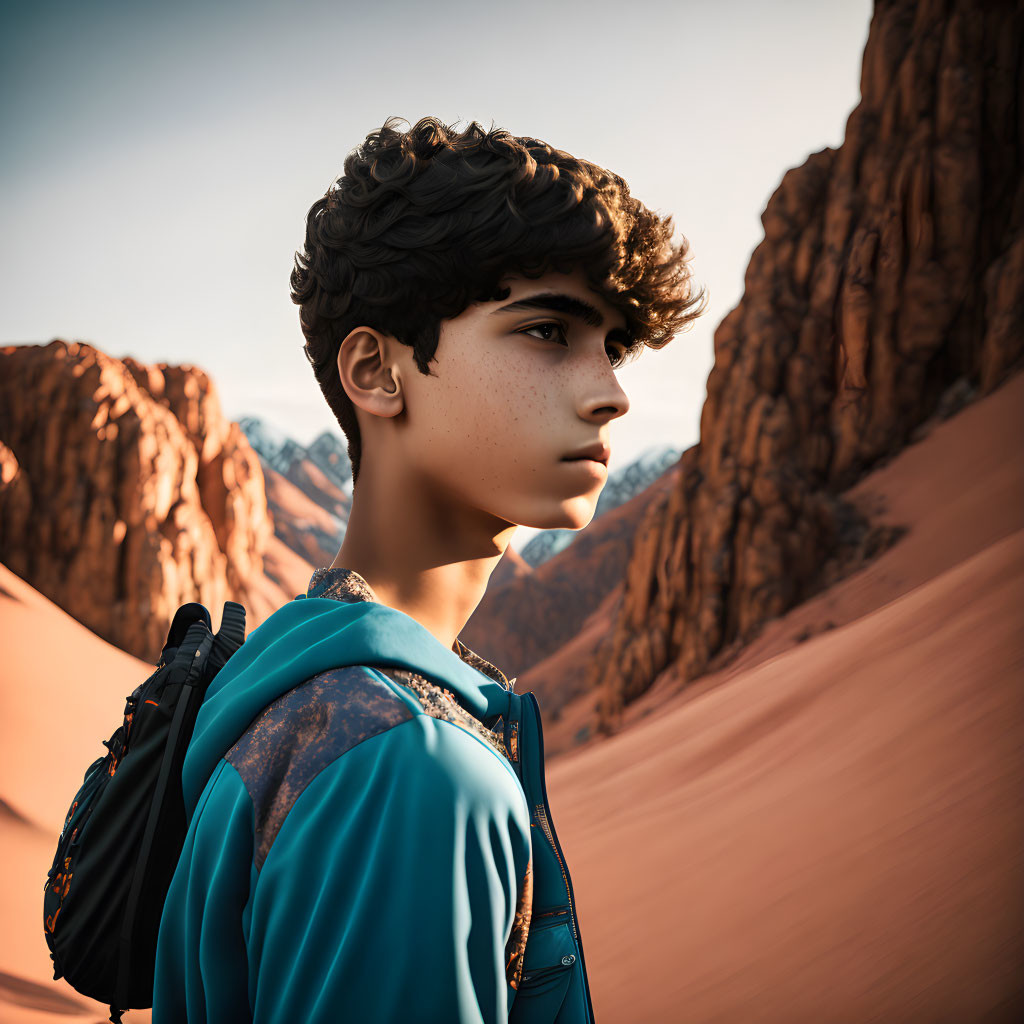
(518, 386)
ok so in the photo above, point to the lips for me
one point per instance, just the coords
(597, 452)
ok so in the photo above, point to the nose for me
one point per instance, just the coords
(602, 399)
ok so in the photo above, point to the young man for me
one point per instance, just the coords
(370, 836)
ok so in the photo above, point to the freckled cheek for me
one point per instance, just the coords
(498, 414)
(522, 400)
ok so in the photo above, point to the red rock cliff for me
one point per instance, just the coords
(124, 491)
(891, 274)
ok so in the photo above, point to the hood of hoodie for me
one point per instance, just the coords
(310, 635)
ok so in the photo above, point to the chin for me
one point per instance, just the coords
(570, 514)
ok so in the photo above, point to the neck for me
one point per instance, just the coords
(423, 555)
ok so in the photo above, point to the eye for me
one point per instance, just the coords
(616, 356)
(547, 325)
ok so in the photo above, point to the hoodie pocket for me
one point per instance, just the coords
(548, 964)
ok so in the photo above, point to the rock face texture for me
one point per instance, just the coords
(891, 274)
(124, 492)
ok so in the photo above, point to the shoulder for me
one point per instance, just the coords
(298, 735)
(317, 721)
(456, 764)
(313, 726)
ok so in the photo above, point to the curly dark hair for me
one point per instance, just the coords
(425, 222)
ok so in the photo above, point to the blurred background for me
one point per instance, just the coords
(781, 669)
(159, 160)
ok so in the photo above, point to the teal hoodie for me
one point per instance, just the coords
(369, 837)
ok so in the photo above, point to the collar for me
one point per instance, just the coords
(347, 585)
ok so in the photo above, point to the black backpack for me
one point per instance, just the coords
(124, 832)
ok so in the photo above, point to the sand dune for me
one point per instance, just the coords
(832, 836)
(831, 830)
(62, 692)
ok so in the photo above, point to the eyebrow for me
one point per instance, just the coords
(557, 302)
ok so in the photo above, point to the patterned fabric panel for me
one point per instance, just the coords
(302, 732)
(341, 585)
(515, 948)
(439, 702)
(474, 660)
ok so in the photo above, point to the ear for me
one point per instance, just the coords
(369, 371)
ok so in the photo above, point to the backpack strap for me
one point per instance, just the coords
(184, 618)
(230, 636)
(232, 624)
(193, 652)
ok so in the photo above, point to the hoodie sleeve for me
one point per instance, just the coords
(201, 972)
(390, 892)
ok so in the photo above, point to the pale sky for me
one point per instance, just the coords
(158, 159)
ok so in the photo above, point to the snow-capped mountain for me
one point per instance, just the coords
(309, 490)
(267, 440)
(329, 452)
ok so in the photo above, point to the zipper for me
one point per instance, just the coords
(549, 832)
(549, 913)
(544, 972)
(545, 824)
